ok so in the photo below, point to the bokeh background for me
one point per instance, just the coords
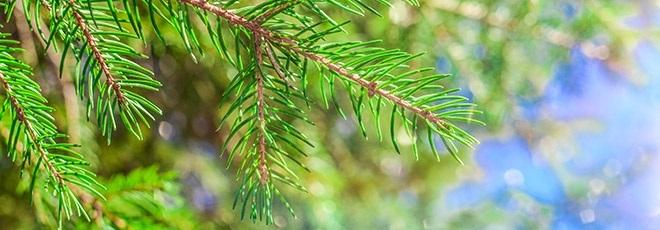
(570, 91)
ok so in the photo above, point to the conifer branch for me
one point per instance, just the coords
(261, 31)
(100, 54)
(261, 103)
(274, 11)
(372, 70)
(371, 86)
(96, 52)
(32, 126)
(272, 45)
(20, 114)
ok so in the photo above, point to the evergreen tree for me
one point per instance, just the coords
(283, 51)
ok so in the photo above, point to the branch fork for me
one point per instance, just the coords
(258, 30)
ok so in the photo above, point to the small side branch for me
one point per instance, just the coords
(262, 18)
(263, 168)
(110, 80)
(32, 135)
(278, 69)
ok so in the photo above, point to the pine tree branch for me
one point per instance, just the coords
(43, 159)
(33, 128)
(106, 75)
(101, 53)
(267, 34)
(20, 111)
(263, 168)
(372, 87)
(374, 71)
(96, 52)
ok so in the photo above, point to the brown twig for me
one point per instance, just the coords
(263, 168)
(85, 197)
(262, 18)
(97, 53)
(278, 69)
(267, 34)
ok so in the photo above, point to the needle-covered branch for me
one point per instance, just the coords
(278, 47)
(91, 42)
(54, 166)
(261, 112)
(375, 80)
(372, 76)
(94, 32)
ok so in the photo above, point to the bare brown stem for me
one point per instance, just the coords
(278, 69)
(263, 168)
